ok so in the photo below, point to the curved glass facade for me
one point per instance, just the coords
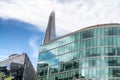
(92, 53)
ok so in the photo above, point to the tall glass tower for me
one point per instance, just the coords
(92, 53)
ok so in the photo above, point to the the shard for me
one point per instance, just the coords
(50, 33)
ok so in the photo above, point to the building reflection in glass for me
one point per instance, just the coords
(92, 53)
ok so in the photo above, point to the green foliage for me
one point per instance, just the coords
(1, 76)
(9, 78)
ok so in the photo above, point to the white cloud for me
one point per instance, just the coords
(71, 15)
(3, 57)
(35, 49)
(33, 43)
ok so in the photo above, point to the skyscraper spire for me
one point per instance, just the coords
(50, 33)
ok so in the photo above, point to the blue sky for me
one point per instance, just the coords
(17, 37)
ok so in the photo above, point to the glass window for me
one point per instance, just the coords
(87, 34)
(105, 41)
(87, 52)
(83, 73)
(98, 61)
(118, 50)
(115, 72)
(111, 51)
(81, 35)
(114, 30)
(118, 71)
(112, 61)
(114, 41)
(98, 51)
(98, 41)
(118, 41)
(106, 31)
(110, 40)
(83, 45)
(95, 32)
(118, 61)
(102, 72)
(79, 44)
(80, 64)
(101, 31)
(94, 72)
(102, 51)
(110, 73)
(87, 43)
(75, 64)
(84, 53)
(106, 72)
(92, 62)
(98, 32)
(95, 42)
(81, 53)
(91, 42)
(90, 72)
(102, 41)
(53, 69)
(118, 30)
(77, 35)
(83, 63)
(77, 54)
(94, 50)
(98, 72)
(110, 32)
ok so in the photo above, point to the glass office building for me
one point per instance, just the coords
(17, 66)
(92, 53)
